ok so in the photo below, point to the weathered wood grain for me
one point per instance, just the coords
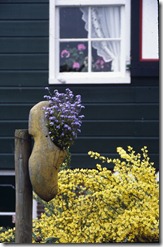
(23, 188)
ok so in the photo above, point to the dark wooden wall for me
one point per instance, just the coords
(115, 115)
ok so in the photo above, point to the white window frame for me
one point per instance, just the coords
(8, 173)
(87, 78)
(13, 214)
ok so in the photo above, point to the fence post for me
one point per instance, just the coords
(23, 224)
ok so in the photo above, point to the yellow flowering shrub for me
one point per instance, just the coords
(103, 206)
(7, 235)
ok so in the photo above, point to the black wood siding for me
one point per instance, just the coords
(115, 115)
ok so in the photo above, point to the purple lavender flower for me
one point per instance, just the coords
(63, 119)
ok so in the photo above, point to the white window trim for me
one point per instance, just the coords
(7, 173)
(83, 78)
(34, 209)
(150, 39)
(7, 213)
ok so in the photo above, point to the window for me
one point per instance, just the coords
(89, 43)
(7, 195)
(8, 199)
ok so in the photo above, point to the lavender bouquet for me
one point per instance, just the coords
(63, 119)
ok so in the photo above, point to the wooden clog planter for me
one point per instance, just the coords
(45, 158)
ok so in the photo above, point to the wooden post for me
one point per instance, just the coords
(23, 223)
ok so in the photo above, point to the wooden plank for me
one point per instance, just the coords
(103, 94)
(84, 161)
(23, 110)
(21, 95)
(105, 111)
(26, 11)
(122, 94)
(121, 112)
(24, 62)
(109, 144)
(23, 45)
(32, 78)
(9, 128)
(23, 78)
(23, 223)
(78, 160)
(101, 144)
(103, 129)
(24, 28)
(7, 145)
(121, 128)
(7, 161)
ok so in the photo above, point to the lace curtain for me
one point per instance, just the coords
(105, 23)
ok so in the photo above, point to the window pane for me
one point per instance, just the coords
(105, 56)
(98, 63)
(105, 22)
(71, 23)
(73, 57)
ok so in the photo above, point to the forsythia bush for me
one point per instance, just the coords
(7, 236)
(101, 206)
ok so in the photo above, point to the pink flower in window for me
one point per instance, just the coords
(76, 65)
(99, 63)
(81, 47)
(65, 53)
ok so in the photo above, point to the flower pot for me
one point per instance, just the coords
(45, 158)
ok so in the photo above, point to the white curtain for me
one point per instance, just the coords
(105, 23)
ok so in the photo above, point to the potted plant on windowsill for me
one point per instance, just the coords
(54, 125)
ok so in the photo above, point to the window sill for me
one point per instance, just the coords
(96, 78)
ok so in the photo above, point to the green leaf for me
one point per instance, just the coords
(51, 240)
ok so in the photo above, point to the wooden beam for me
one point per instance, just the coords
(23, 223)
